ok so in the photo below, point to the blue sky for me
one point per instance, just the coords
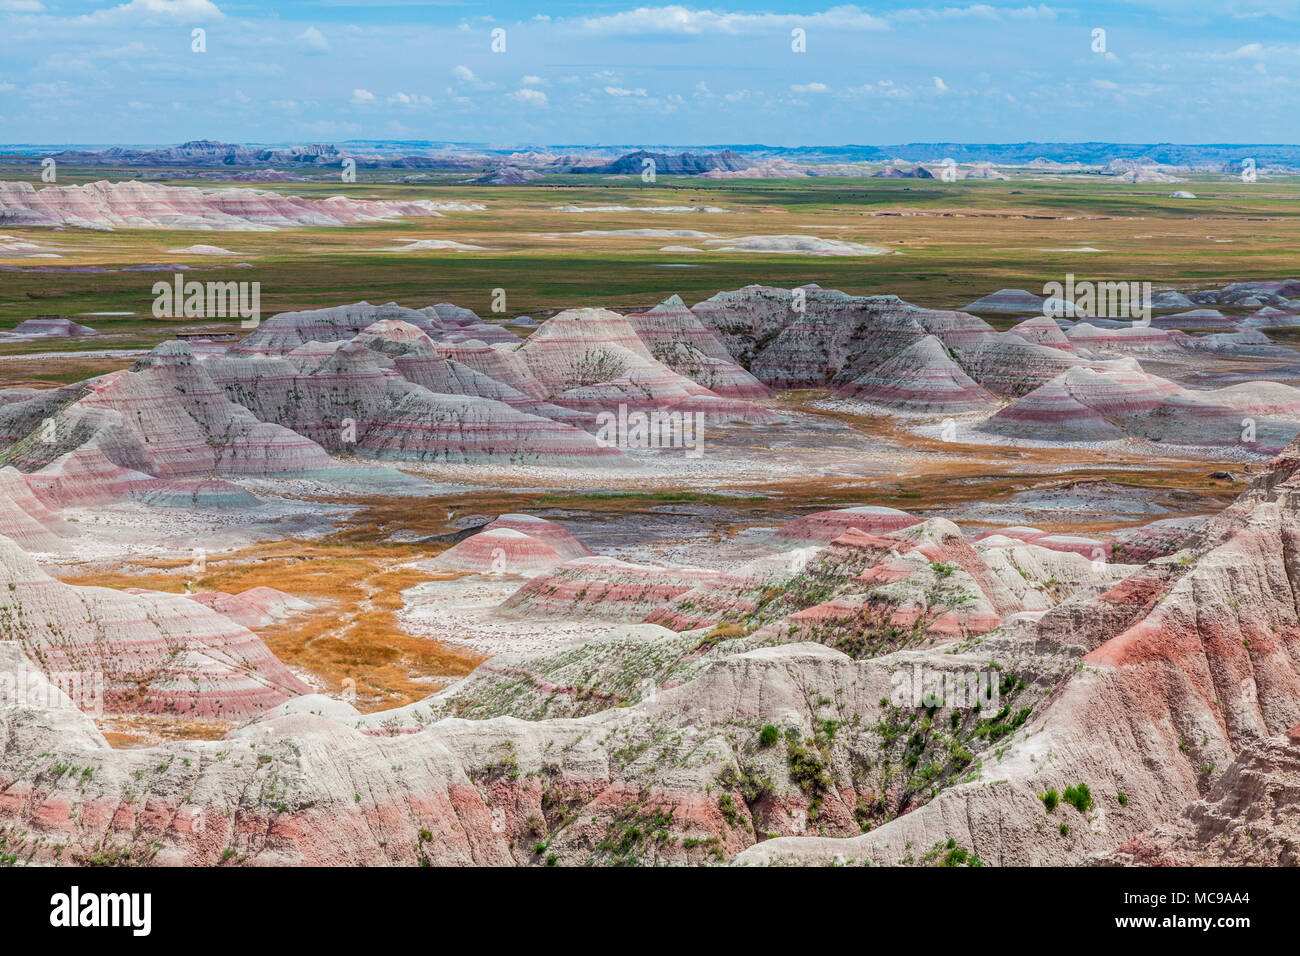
(1172, 71)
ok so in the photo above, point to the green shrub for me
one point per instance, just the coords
(1079, 796)
(1050, 799)
(1122, 797)
(769, 735)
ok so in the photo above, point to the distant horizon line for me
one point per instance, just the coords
(632, 146)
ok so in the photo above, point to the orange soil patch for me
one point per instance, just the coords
(352, 641)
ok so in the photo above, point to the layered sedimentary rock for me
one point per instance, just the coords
(464, 324)
(811, 337)
(51, 328)
(606, 589)
(164, 417)
(1009, 365)
(500, 551)
(254, 607)
(149, 652)
(137, 205)
(86, 477)
(1088, 405)
(25, 519)
(1195, 319)
(1043, 331)
(921, 378)
(1121, 339)
(555, 535)
(1186, 666)
(826, 526)
(1007, 300)
(1155, 540)
(592, 360)
(676, 337)
(287, 331)
(342, 397)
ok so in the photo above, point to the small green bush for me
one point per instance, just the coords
(1079, 796)
(769, 735)
(1050, 799)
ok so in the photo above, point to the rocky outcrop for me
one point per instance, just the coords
(500, 551)
(922, 378)
(826, 526)
(1088, 405)
(676, 337)
(145, 653)
(343, 398)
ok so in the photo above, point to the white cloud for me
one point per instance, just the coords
(464, 74)
(362, 96)
(177, 11)
(315, 40)
(809, 88)
(939, 85)
(21, 6)
(410, 99)
(621, 91)
(532, 81)
(975, 11)
(676, 19)
(528, 97)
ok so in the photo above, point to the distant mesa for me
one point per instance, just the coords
(667, 164)
(508, 176)
(1007, 300)
(48, 327)
(898, 172)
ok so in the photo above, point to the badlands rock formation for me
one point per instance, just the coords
(1087, 405)
(650, 745)
(137, 205)
(811, 337)
(143, 653)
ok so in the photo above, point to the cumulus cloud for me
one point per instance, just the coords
(622, 91)
(464, 74)
(809, 88)
(939, 84)
(175, 11)
(410, 99)
(315, 40)
(529, 97)
(362, 96)
(676, 19)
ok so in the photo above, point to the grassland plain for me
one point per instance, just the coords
(953, 241)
